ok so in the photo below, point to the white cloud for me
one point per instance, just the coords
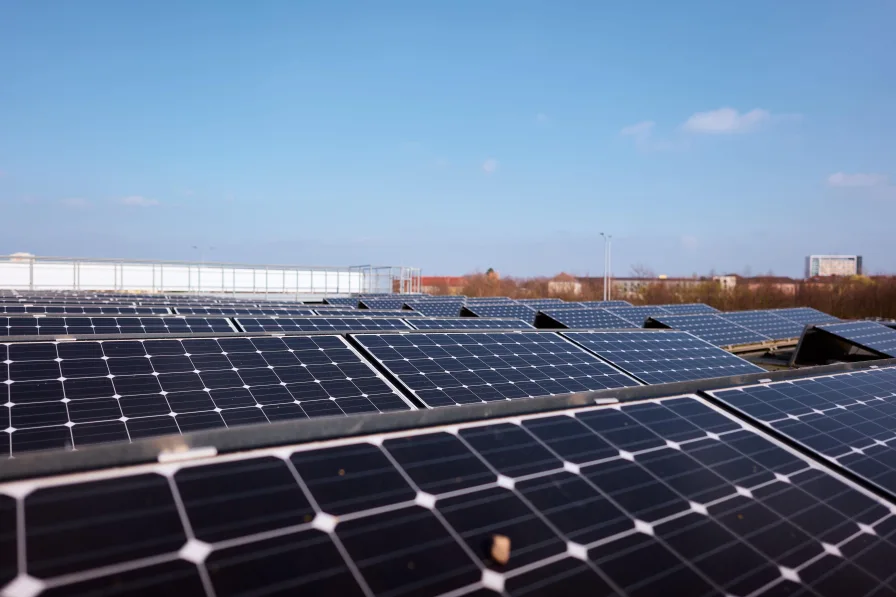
(541, 118)
(843, 179)
(641, 129)
(726, 120)
(75, 203)
(689, 242)
(138, 201)
(489, 165)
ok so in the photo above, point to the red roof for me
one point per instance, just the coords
(447, 280)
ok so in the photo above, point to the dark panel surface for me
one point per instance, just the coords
(599, 319)
(657, 357)
(666, 497)
(712, 328)
(450, 369)
(64, 326)
(321, 324)
(59, 394)
(867, 334)
(468, 323)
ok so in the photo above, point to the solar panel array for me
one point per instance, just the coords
(659, 498)
(605, 304)
(688, 309)
(805, 315)
(61, 326)
(867, 334)
(370, 312)
(80, 393)
(437, 308)
(637, 315)
(656, 357)
(451, 369)
(382, 303)
(467, 323)
(235, 311)
(320, 324)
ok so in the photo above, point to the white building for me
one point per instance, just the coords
(833, 265)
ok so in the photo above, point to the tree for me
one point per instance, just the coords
(639, 270)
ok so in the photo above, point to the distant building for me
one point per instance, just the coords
(833, 265)
(564, 284)
(443, 284)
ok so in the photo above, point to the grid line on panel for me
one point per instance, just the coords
(436, 308)
(657, 357)
(443, 369)
(77, 393)
(321, 324)
(62, 326)
(685, 499)
(804, 315)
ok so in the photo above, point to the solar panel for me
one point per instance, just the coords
(766, 323)
(711, 328)
(867, 334)
(468, 323)
(321, 324)
(805, 315)
(382, 303)
(667, 497)
(449, 369)
(235, 311)
(84, 310)
(656, 357)
(511, 310)
(370, 312)
(86, 392)
(542, 302)
(689, 309)
(850, 418)
(585, 318)
(636, 315)
(436, 308)
(63, 326)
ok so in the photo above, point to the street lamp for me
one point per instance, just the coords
(608, 239)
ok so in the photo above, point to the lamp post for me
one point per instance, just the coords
(608, 238)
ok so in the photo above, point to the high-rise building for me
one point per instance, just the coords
(833, 265)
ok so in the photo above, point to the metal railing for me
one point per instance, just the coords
(29, 272)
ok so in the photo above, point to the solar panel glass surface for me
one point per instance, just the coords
(236, 311)
(805, 315)
(636, 315)
(712, 328)
(437, 308)
(382, 303)
(56, 326)
(84, 309)
(657, 357)
(320, 324)
(514, 311)
(766, 323)
(689, 309)
(868, 334)
(450, 369)
(78, 393)
(468, 323)
(587, 318)
(666, 497)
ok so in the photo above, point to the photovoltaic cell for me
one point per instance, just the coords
(511, 310)
(850, 418)
(84, 310)
(605, 304)
(468, 323)
(337, 312)
(318, 324)
(712, 328)
(657, 357)
(587, 318)
(345, 301)
(540, 303)
(450, 369)
(236, 311)
(766, 323)
(868, 334)
(62, 326)
(666, 497)
(85, 392)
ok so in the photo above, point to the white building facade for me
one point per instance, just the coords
(833, 265)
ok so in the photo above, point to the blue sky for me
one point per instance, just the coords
(453, 136)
